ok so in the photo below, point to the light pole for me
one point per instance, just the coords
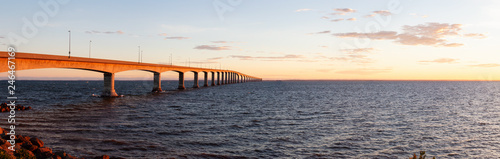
(69, 50)
(90, 48)
(139, 57)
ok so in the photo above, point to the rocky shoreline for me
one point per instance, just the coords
(32, 148)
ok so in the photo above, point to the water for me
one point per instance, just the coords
(282, 119)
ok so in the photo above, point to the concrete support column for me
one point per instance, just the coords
(206, 79)
(218, 78)
(157, 82)
(195, 85)
(109, 85)
(181, 81)
(230, 77)
(213, 79)
(225, 76)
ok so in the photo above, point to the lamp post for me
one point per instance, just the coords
(139, 52)
(90, 48)
(69, 50)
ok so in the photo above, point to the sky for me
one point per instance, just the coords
(274, 40)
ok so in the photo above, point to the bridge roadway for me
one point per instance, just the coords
(25, 61)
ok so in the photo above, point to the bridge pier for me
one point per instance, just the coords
(206, 79)
(225, 75)
(157, 82)
(109, 85)
(213, 79)
(181, 81)
(195, 85)
(218, 78)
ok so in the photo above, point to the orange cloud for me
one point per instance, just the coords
(343, 11)
(441, 60)
(351, 19)
(432, 34)
(212, 47)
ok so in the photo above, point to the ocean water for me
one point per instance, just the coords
(271, 119)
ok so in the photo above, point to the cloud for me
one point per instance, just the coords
(365, 71)
(268, 58)
(303, 10)
(486, 65)
(417, 15)
(383, 35)
(358, 50)
(104, 32)
(214, 58)
(343, 11)
(177, 38)
(323, 32)
(382, 12)
(162, 34)
(431, 34)
(379, 12)
(212, 47)
(223, 42)
(325, 17)
(351, 19)
(337, 20)
(441, 60)
(475, 35)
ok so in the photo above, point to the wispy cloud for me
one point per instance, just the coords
(212, 47)
(337, 20)
(431, 34)
(476, 35)
(224, 42)
(173, 37)
(417, 15)
(268, 58)
(104, 32)
(325, 70)
(343, 11)
(323, 32)
(364, 71)
(358, 50)
(379, 12)
(351, 19)
(303, 10)
(177, 38)
(486, 65)
(441, 60)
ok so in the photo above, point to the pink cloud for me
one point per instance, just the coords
(177, 38)
(431, 34)
(486, 65)
(343, 11)
(337, 20)
(351, 19)
(212, 47)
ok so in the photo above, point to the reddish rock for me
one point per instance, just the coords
(22, 139)
(43, 152)
(29, 146)
(37, 142)
(102, 157)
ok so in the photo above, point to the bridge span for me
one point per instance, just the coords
(25, 61)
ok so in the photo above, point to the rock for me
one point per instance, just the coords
(22, 139)
(102, 157)
(37, 142)
(29, 146)
(23, 153)
(4, 154)
(43, 152)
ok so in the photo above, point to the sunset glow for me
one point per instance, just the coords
(274, 40)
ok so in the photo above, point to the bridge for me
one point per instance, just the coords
(25, 61)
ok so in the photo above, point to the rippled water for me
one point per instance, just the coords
(304, 119)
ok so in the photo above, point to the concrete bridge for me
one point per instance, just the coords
(25, 61)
